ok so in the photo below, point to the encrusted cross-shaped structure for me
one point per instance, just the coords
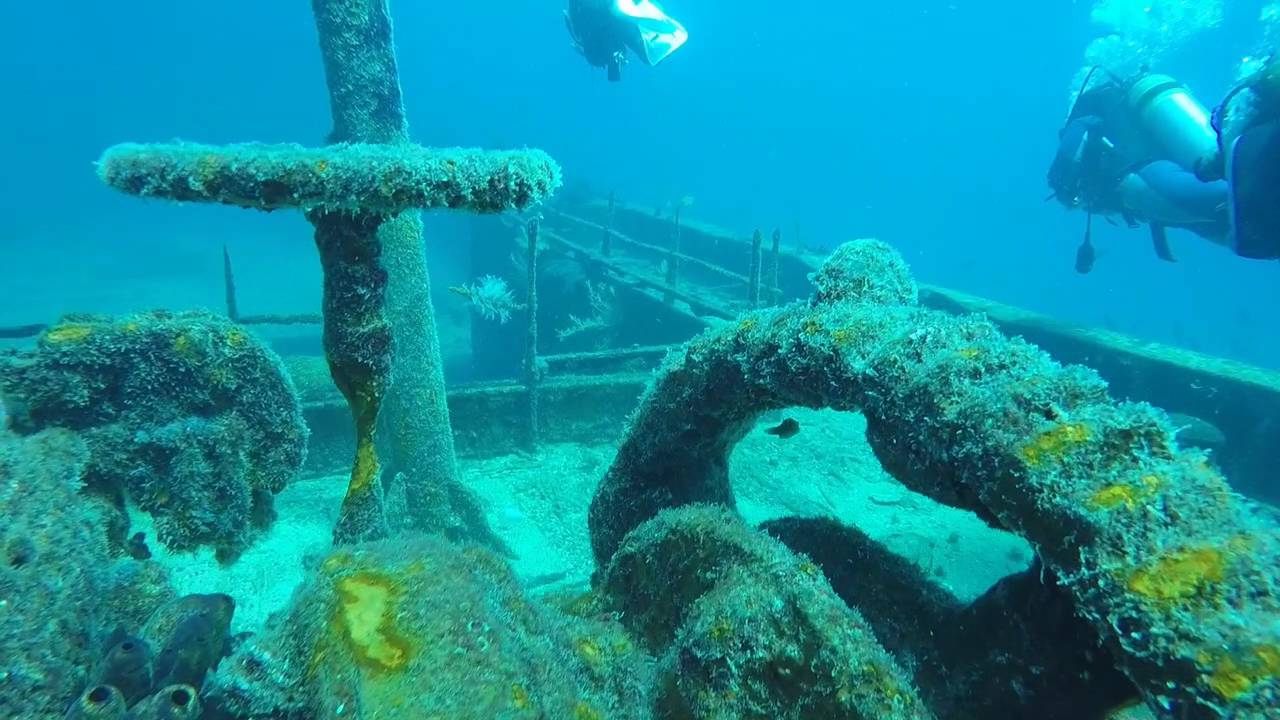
(362, 194)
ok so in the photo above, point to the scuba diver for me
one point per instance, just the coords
(1145, 150)
(1248, 159)
(1131, 149)
(603, 31)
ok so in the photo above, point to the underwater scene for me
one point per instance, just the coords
(640, 360)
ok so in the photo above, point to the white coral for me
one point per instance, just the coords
(491, 297)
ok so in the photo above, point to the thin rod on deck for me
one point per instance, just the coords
(775, 260)
(531, 333)
(297, 319)
(606, 242)
(229, 285)
(616, 354)
(682, 257)
(673, 257)
(630, 278)
(753, 281)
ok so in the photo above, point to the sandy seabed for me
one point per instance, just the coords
(538, 503)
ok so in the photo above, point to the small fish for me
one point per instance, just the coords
(1197, 432)
(137, 547)
(192, 634)
(785, 429)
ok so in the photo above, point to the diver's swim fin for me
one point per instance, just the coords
(1254, 172)
(657, 34)
(1160, 240)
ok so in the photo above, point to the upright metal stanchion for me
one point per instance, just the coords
(531, 336)
(606, 242)
(753, 278)
(673, 257)
(229, 286)
(775, 291)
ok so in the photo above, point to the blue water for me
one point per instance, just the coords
(928, 124)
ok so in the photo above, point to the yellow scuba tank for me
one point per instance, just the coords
(1170, 121)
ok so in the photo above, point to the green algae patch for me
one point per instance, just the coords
(365, 617)
(1054, 445)
(417, 627)
(1179, 576)
(67, 333)
(1234, 675)
(1126, 495)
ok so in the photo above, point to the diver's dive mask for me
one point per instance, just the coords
(659, 34)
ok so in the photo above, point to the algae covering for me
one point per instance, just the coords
(421, 628)
(1153, 582)
(377, 312)
(185, 415)
(61, 587)
(745, 628)
(1175, 572)
(383, 179)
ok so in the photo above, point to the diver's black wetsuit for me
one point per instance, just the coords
(1255, 196)
(600, 36)
(1253, 147)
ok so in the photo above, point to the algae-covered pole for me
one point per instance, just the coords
(386, 179)
(364, 94)
(229, 286)
(606, 241)
(775, 262)
(531, 334)
(376, 296)
(753, 277)
(357, 345)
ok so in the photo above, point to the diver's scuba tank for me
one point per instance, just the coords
(1169, 122)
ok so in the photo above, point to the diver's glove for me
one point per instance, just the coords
(616, 62)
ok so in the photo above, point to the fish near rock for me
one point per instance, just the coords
(788, 428)
(191, 633)
(1197, 432)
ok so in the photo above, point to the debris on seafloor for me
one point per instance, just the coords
(788, 428)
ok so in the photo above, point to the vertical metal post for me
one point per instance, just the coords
(775, 291)
(229, 285)
(473, 247)
(606, 242)
(673, 258)
(531, 336)
(753, 279)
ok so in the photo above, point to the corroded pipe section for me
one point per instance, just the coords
(385, 179)
(743, 628)
(1177, 574)
(357, 344)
